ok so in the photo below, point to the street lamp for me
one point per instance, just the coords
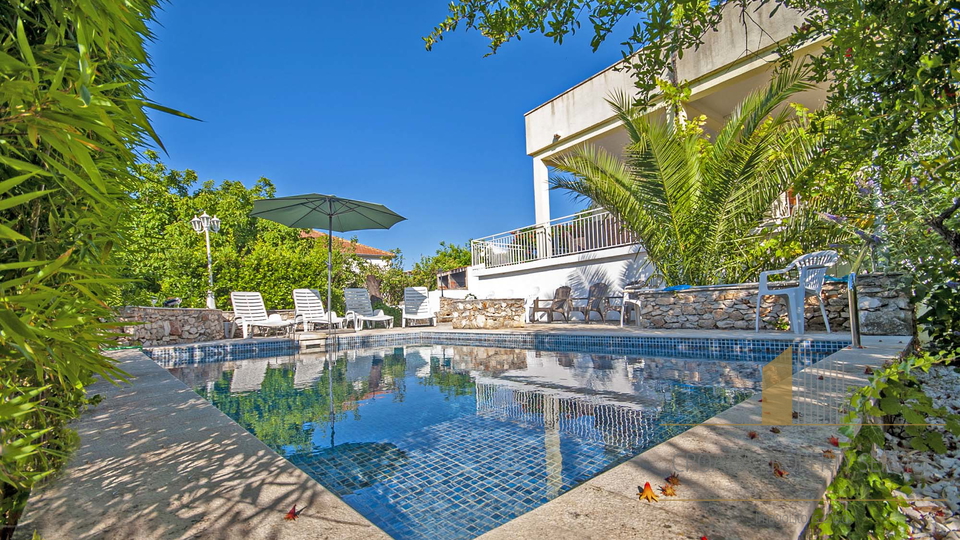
(204, 224)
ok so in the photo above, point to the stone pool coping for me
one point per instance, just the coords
(210, 477)
(157, 461)
(728, 489)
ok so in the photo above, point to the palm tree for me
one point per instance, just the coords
(702, 209)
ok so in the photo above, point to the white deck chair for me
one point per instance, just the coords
(310, 310)
(811, 269)
(249, 311)
(416, 306)
(358, 306)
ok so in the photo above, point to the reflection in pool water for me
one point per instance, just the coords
(450, 441)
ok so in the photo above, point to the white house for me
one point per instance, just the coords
(590, 247)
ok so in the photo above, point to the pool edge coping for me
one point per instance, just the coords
(55, 509)
(607, 505)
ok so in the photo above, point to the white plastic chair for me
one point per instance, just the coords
(416, 306)
(811, 269)
(249, 312)
(358, 306)
(309, 306)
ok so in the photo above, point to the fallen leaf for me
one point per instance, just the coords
(868, 371)
(647, 494)
(673, 479)
(778, 470)
(796, 415)
(668, 491)
(760, 400)
(774, 430)
(834, 441)
(752, 435)
(820, 378)
(829, 454)
(292, 514)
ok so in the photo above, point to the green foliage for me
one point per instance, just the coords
(939, 316)
(703, 209)
(73, 77)
(894, 395)
(163, 256)
(447, 257)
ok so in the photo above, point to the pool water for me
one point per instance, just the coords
(448, 442)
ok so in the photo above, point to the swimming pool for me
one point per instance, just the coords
(449, 441)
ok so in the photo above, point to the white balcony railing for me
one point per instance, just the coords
(579, 233)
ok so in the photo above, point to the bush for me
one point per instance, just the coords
(74, 75)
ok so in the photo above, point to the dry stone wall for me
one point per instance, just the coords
(884, 303)
(484, 314)
(168, 326)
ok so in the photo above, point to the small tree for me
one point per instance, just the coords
(702, 209)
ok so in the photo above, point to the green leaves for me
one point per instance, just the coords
(873, 511)
(701, 209)
(73, 75)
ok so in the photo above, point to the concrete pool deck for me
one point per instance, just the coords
(158, 461)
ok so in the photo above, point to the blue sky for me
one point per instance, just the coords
(342, 98)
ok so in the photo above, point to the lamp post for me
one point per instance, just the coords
(204, 224)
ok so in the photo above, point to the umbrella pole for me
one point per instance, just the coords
(329, 275)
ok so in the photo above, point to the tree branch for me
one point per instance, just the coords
(937, 224)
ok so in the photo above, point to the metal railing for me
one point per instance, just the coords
(587, 231)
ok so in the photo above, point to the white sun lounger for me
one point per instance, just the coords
(249, 312)
(310, 310)
(416, 306)
(358, 305)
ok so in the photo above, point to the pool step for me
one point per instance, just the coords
(314, 342)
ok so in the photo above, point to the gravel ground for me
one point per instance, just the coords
(934, 512)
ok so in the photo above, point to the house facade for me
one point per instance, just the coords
(591, 246)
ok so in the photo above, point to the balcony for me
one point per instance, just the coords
(587, 231)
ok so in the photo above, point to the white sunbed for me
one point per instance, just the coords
(416, 306)
(310, 310)
(358, 306)
(249, 312)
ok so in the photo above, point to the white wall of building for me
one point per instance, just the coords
(615, 267)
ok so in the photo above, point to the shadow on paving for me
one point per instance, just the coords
(158, 461)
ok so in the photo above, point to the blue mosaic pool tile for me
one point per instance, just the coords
(200, 353)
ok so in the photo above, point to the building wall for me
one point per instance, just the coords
(616, 267)
(584, 106)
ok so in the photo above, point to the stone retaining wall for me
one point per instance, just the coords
(884, 302)
(168, 326)
(484, 314)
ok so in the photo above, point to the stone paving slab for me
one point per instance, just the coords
(728, 489)
(159, 462)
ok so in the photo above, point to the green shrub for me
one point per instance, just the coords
(861, 503)
(73, 111)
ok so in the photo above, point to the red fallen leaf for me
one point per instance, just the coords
(668, 490)
(778, 470)
(849, 52)
(703, 538)
(834, 441)
(292, 514)
(908, 469)
(760, 400)
(820, 378)
(647, 494)
(752, 435)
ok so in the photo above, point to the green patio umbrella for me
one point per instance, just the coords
(314, 211)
